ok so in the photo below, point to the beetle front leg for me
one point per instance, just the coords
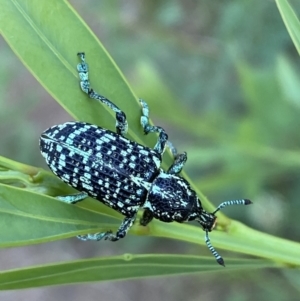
(82, 68)
(121, 233)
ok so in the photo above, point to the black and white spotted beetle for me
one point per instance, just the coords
(123, 174)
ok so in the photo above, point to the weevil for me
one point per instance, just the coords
(124, 174)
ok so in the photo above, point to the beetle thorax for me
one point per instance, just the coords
(170, 198)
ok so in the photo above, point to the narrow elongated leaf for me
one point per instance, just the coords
(290, 20)
(117, 268)
(27, 217)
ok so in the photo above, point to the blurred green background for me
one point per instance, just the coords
(222, 77)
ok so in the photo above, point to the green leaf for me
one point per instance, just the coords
(289, 80)
(118, 267)
(290, 20)
(27, 217)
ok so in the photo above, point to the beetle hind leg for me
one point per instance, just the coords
(82, 68)
(73, 198)
(121, 233)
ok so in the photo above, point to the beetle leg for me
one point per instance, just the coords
(162, 141)
(146, 218)
(163, 136)
(82, 68)
(178, 164)
(121, 233)
(73, 198)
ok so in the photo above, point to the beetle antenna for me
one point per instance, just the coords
(219, 259)
(229, 203)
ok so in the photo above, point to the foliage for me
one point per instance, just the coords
(252, 153)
